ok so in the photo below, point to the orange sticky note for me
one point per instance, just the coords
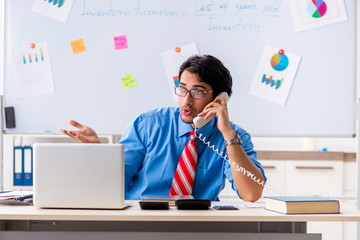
(78, 46)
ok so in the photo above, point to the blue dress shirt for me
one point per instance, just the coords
(153, 144)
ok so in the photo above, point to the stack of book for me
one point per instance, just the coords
(16, 196)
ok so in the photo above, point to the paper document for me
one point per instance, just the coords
(55, 9)
(313, 14)
(13, 196)
(240, 204)
(275, 75)
(173, 59)
(33, 70)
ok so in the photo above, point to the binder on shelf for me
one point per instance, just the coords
(18, 159)
(28, 166)
(23, 166)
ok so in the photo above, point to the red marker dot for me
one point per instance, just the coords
(32, 45)
(281, 52)
(177, 49)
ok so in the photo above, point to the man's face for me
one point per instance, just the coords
(190, 107)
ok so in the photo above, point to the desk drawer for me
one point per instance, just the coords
(275, 174)
(314, 177)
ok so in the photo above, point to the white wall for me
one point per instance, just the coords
(2, 32)
(2, 74)
(306, 144)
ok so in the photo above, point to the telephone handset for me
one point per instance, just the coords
(200, 121)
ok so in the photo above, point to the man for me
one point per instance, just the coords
(155, 140)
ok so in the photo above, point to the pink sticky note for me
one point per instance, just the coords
(120, 42)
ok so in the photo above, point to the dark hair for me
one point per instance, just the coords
(211, 71)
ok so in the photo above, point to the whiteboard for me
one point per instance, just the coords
(321, 102)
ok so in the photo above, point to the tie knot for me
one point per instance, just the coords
(192, 135)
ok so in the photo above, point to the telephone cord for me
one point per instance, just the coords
(236, 167)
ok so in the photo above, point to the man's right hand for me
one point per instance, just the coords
(84, 134)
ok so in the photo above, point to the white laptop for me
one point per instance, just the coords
(74, 175)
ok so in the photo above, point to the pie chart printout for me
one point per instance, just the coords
(317, 8)
(279, 61)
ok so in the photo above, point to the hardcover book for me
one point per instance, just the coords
(302, 205)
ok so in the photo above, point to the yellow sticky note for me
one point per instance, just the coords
(128, 81)
(78, 46)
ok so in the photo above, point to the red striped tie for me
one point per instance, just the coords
(185, 172)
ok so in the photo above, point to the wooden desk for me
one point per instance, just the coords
(133, 223)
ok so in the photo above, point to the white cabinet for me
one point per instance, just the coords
(330, 174)
(314, 177)
(309, 177)
(350, 183)
(320, 173)
(275, 171)
(329, 230)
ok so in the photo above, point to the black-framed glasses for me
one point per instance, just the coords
(195, 93)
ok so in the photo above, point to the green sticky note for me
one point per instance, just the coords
(128, 81)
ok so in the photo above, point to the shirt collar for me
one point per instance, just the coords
(185, 128)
